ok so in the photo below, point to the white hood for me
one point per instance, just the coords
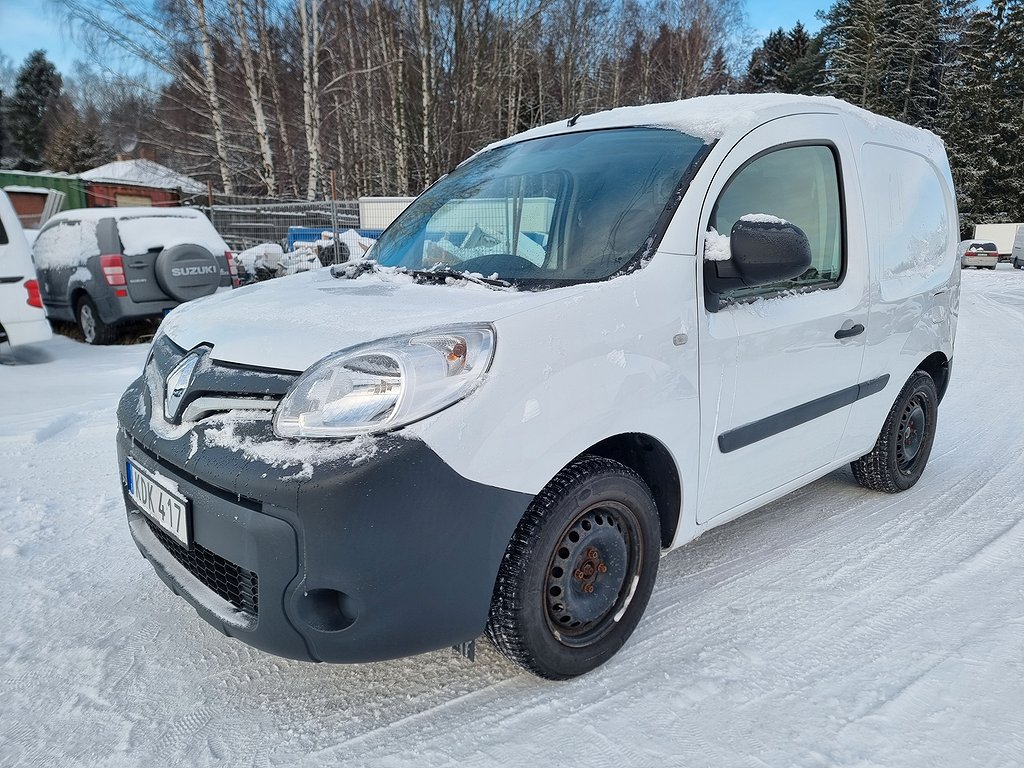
(292, 322)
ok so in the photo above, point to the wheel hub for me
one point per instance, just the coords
(911, 433)
(587, 573)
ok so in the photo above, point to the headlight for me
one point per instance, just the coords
(386, 384)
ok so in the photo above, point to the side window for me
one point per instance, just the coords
(65, 244)
(800, 185)
(3, 235)
(46, 250)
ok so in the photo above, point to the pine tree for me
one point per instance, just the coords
(964, 117)
(788, 62)
(36, 91)
(768, 63)
(854, 50)
(910, 44)
(75, 144)
(1006, 183)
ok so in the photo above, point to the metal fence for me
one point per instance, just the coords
(244, 226)
(246, 223)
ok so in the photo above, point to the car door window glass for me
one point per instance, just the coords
(800, 185)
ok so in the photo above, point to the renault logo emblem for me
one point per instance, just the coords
(177, 383)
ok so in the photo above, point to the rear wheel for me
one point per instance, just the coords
(91, 325)
(578, 572)
(902, 449)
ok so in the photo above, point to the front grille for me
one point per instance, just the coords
(232, 582)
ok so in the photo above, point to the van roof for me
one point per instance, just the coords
(712, 117)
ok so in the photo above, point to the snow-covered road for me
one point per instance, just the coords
(834, 627)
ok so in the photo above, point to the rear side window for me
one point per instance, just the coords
(66, 244)
(3, 234)
(800, 185)
(911, 227)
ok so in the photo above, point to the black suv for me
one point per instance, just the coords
(102, 266)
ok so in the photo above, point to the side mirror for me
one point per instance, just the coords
(763, 250)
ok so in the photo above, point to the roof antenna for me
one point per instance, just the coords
(572, 120)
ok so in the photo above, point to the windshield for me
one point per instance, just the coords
(549, 211)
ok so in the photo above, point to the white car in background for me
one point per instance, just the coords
(22, 319)
(978, 253)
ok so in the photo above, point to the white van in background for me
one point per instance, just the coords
(1003, 235)
(1017, 255)
(22, 319)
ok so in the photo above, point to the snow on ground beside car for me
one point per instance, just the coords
(834, 627)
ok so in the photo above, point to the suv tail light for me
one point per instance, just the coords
(232, 268)
(113, 269)
(34, 299)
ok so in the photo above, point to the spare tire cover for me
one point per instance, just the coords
(187, 272)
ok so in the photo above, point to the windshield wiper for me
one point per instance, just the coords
(441, 272)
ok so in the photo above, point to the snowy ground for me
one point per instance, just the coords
(834, 627)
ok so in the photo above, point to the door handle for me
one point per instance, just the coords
(853, 330)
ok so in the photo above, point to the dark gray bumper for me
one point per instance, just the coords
(385, 557)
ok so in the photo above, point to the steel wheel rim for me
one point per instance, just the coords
(911, 434)
(88, 322)
(592, 573)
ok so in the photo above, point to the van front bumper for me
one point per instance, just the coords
(384, 554)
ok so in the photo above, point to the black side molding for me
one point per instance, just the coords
(748, 434)
(5, 280)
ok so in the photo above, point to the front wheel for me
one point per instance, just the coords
(905, 442)
(578, 571)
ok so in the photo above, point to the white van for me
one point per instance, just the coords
(583, 348)
(1017, 254)
(22, 318)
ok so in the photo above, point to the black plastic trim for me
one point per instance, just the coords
(5, 280)
(751, 433)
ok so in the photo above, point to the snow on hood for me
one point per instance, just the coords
(292, 322)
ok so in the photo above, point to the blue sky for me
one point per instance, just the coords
(29, 24)
(767, 16)
(26, 25)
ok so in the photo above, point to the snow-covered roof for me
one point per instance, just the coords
(95, 214)
(27, 190)
(711, 117)
(143, 173)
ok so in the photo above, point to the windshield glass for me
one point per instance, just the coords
(548, 211)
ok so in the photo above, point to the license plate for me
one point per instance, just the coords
(160, 503)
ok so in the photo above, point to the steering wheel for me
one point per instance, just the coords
(507, 265)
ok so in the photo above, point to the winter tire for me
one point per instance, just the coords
(93, 329)
(578, 571)
(902, 449)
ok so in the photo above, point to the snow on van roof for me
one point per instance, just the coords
(711, 117)
(94, 214)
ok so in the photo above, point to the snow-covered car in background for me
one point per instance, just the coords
(22, 319)
(980, 254)
(584, 347)
(100, 267)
